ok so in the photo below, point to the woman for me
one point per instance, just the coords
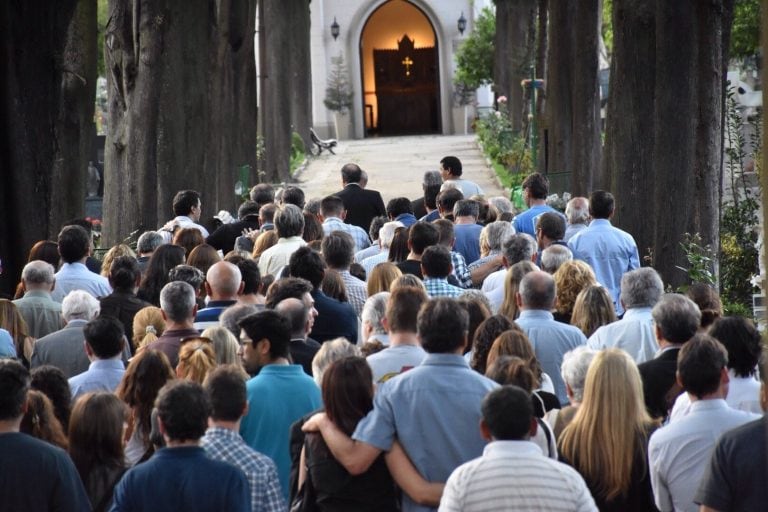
(148, 325)
(40, 421)
(160, 263)
(708, 300)
(263, 242)
(112, 254)
(485, 334)
(570, 279)
(607, 441)
(574, 372)
(12, 321)
(512, 279)
(51, 381)
(478, 309)
(593, 309)
(188, 239)
(515, 343)
(333, 286)
(122, 303)
(196, 359)
(96, 445)
(398, 249)
(146, 374)
(203, 257)
(225, 345)
(381, 277)
(313, 229)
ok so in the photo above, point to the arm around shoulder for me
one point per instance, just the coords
(355, 456)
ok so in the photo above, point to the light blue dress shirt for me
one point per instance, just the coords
(76, 276)
(101, 375)
(525, 222)
(358, 234)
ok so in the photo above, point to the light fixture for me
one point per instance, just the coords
(462, 23)
(335, 29)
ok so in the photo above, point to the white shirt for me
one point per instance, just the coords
(743, 395)
(277, 256)
(679, 452)
(393, 361)
(76, 276)
(634, 334)
(182, 221)
(515, 475)
(494, 280)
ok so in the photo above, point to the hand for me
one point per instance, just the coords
(253, 234)
(315, 423)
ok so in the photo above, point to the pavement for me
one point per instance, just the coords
(396, 165)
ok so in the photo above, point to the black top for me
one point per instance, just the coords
(123, 306)
(660, 386)
(334, 319)
(411, 267)
(224, 237)
(362, 205)
(419, 208)
(302, 352)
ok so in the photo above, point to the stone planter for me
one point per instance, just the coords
(342, 123)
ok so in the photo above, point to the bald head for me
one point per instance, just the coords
(223, 281)
(537, 291)
(298, 313)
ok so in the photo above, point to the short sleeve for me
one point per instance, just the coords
(378, 426)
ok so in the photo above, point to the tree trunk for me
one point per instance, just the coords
(541, 71)
(300, 71)
(42, 119)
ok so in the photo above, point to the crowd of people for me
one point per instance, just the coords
(341, 354)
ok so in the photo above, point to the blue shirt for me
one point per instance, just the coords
(182, 479)
(7, 349)
(610, 252)
(441, 288)
(101, 375)
(434, 411)
(467, 241)
(407, 219)
(278, 396)
(209, 315)
(551, 340)
(357, 233)
(525, 222)
(76, 276)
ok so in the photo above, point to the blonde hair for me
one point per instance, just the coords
(148, 325)
(225, 345)
(406, 280)
(196, 359)
(512, 279)
(570, 279)
(263, 242)
(112, 254)
(593, 309)
(610, 424)
(381, 278)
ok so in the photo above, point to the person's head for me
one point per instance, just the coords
(338, 250)
(40, 421)
(377, 223)
(512, 279)
(289, 221)
(203, 257)
(708, 301)
(230, 316)
(267, 214)
(601, 204)
(641, 288)
(676, 318)
(570, 279)
(373, 314)
(742, 340)
(112, 254)
(332, 206)
(466, 208)
(188, 239)
(358, 271)
(265, 337)
(347, 390)
(287, 287)
(307, 264)
(193, 276)
(398, 206)
(148, 325)
(104, 337)
(14, 381)
(293, 195)
(477, 306)
(177, 300)
(52, 382)
(447, 199)
(535, 186)
(225, 391)
(420, 236)
(160, 264)
(223, 281)
(518, 247)
(436, 262)
(333, 286)
(512, 370)
(507, 414)
(46, 251)
(431, 187)
(329, 352)
(387, 233)
(74, 244)
(450, 166)
(298, 314)
(442, 326)
(577, 211)
(701, 367)
(493, 236)
(574, 371)
(593, 309)
(96, 432)
(554, 256)
(497, 206)
(550, 227)
(251, 277)
(125, 274)
(351, 173)
(187, 203)
(196, 358)
(313, 229)
(407, 280)
(38, 275)
(79, 305)
(148, 242)
(263, 242)
(445, 232)
(537, 291)
(381, 277)
(402, 309)
(248, 209)
(262, 194)
(182, 411)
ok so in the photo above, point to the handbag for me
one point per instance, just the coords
(306, 497)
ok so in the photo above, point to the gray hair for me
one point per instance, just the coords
(329, 352)
(289, 221)
(376, 225)
(641, 288)
(574, 369)
(38, 272)
(677, 317)
(374, 311)
(387, 233)
(233, 314)
(177, 300)
(501, 204)
(577, 210)
(313, 206)
(537, 290)
(187, 274)
(432, 178)
(519, 247)
(148, 242)
(79, 305)
(554, 256)
(496, 233)
(466, 208)
(225, 345)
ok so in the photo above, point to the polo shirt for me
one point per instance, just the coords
(467, 241)
(468, 188)
(209, 315)
(76, 276)
(634, 334)
(525, 222)
(277, 256)
(101, 375)
(357, 233)
(434, 411)
(41, 313)
(394, 360)
(408, 219)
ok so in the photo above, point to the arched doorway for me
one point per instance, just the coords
(400, 71)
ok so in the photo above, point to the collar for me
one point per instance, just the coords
(537, 314)
(667, 349)
(74, 266)
(332, 220)
(76, 323)
(445, 360)
(712, 404)
(184, 218)
(222, 432)
(355, 184)
(405, 216)
(290, 239)
(281, 368)
(220, 303)
(600, 222)
(512, 449)
(636, 312)
(436, 279)
(180, 451)
(37, 293)
(106, 364)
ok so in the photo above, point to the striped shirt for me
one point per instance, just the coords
(515, 475)
(357, 233)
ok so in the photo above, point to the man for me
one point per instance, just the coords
(334, 319)
(467, 230)
(104, 343)
(420, 236)
(678, 452)
(676, 319)
(41, 313)
(181, 477)
(337, 249)
(519, 247)
(91, 263)
(451, 171)
(404, 351)
(550, 229)
(187, 208)
(178, 305)
(145, 247)
(433, 410)
(372, 319)
(267, 217)
(553, 257)
(426, 205)
(293, 195)
(492, 238)
(464, 277)
(513, 473)
(362, 205)
(36, 474)
(251, 282)
(280, 394)
(224, 237)
(641, 289)
(446, 200)
(122, 303)
(226, 394)
(550, 339)
(302, 347)
(373, 233)
(332, 215)
(262, 194)
(610, 251)
(386, 235)
(436, 267)
(64, 348)
(289, 223)
(535, 190)
(74, 248)
(399, 209)
(194, 277)
(223, 284)
(577, 216)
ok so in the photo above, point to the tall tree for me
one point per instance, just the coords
(301, 71)
(47, 81)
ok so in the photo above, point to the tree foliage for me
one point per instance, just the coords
(745, 33)
(474, 58)
(338, 96)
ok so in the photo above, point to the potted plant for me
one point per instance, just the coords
(463, 96)
(338, 96)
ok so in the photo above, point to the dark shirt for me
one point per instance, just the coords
(123, 306)
(418, 207)
(362, 205)
(303, 351)
(143, 262)
(93, 265)
(660, 387)
(334, 319)
(170, 342)
(224, 237)
(411, 267)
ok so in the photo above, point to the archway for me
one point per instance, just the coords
(399, 63)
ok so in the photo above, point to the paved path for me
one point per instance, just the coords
(396, 165)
